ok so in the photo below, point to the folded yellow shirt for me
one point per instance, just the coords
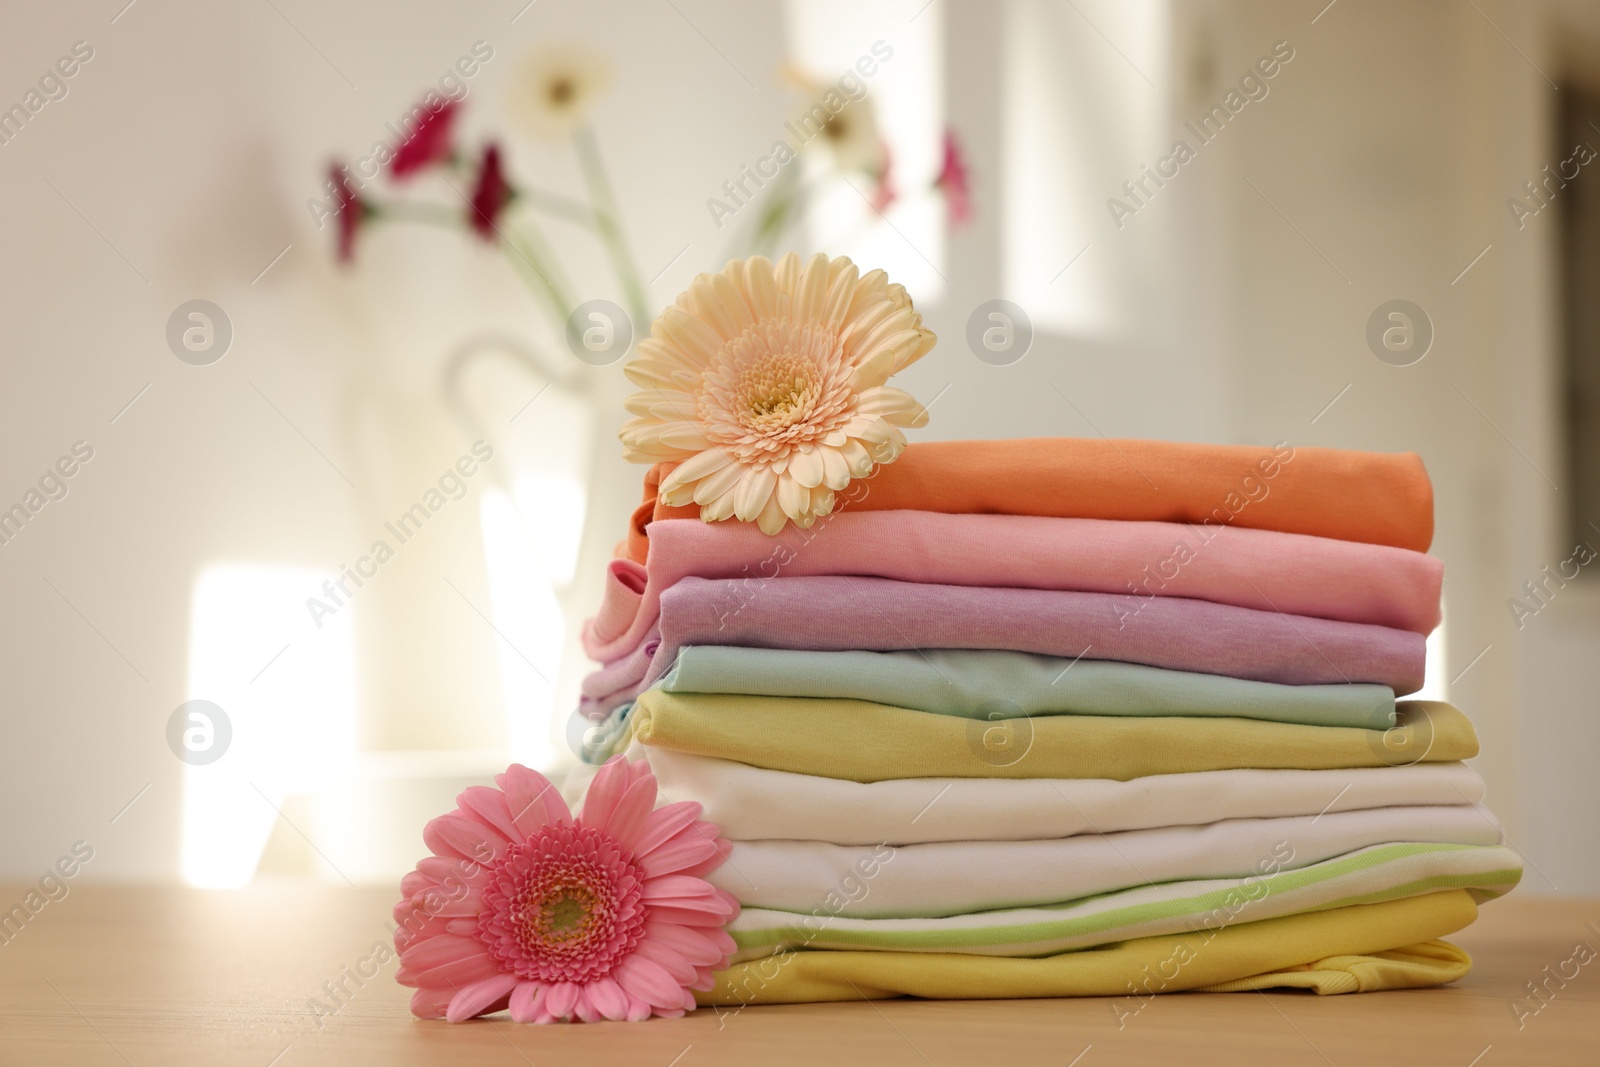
(865, 742)
(1360, 948)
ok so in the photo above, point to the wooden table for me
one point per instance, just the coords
(149, 976)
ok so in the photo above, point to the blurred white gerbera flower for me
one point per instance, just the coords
(554, 89)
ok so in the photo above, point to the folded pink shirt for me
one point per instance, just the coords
(1317, 577)
(880, 615)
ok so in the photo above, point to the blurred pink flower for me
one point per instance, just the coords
(349, 211)
(603, 916)
(490, 196)
(884, 193)
(428, 143)
(953, 181)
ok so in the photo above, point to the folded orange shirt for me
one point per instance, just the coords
(1372, 497)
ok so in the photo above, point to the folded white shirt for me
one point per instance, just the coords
(1383, 872)
(751, 803)
(957, 877)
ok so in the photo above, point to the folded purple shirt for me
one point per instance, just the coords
(881, 615)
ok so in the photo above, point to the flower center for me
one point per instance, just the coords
(776, 390)
(777, 385)
(564, 905)
(565, 916)
(561, 91)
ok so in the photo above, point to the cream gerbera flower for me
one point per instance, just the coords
(847, 127)
(766, 383)
(554, 89)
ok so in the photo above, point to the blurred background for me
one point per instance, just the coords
(232, 461)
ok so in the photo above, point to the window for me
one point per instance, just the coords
(1579, 204)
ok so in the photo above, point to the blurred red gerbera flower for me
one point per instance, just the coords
(349, 212)
(953, 181)
(490, 196)
(429, 142)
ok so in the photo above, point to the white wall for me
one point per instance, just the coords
(191, 141)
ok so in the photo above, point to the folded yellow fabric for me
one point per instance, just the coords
(1360, 948)
(1410, 967)
(865, 742)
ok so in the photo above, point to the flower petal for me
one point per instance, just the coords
(926, 341)
(661, 403)
(701, 947)
(605, 792)
(649, 982)
(690, 334)
(856, 457)
(488, 806)
(669, 440)
(480, 997)
(835, 471)
(668, 959)
(632, 813)
(695, 468)
(532, 800)
(457, 973)
(876, 366)
(683, 435)
(670, 820)
(793, 498)
(431, 1003)
(841, 293)
(787, 273)
(806, 467)
(607, 997)
(440, 903)
(455, 835)
(584, 1008)
(752, 493)
(714, 486)
(811, 288)
(527, 1001)
(681, 891)
(650, 373)
(772, 519)
(718, 301)
(760, 287)
(680, 854)
(561, 998)
(437, 951)
(712, 916)
(720, 508)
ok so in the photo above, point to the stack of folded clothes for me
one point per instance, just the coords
(1062, 717)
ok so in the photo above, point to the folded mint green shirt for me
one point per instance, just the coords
(978, 684)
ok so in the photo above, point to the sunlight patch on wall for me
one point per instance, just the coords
(1436, 686)
(289, 699)
(827, 39)
(1084, 102)
(528, 617)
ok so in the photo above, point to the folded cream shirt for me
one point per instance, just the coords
(950, 878)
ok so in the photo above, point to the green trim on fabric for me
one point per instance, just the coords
(1281, 882)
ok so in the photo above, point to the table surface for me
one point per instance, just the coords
(148, 976)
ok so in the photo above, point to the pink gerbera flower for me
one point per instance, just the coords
(603, 916)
